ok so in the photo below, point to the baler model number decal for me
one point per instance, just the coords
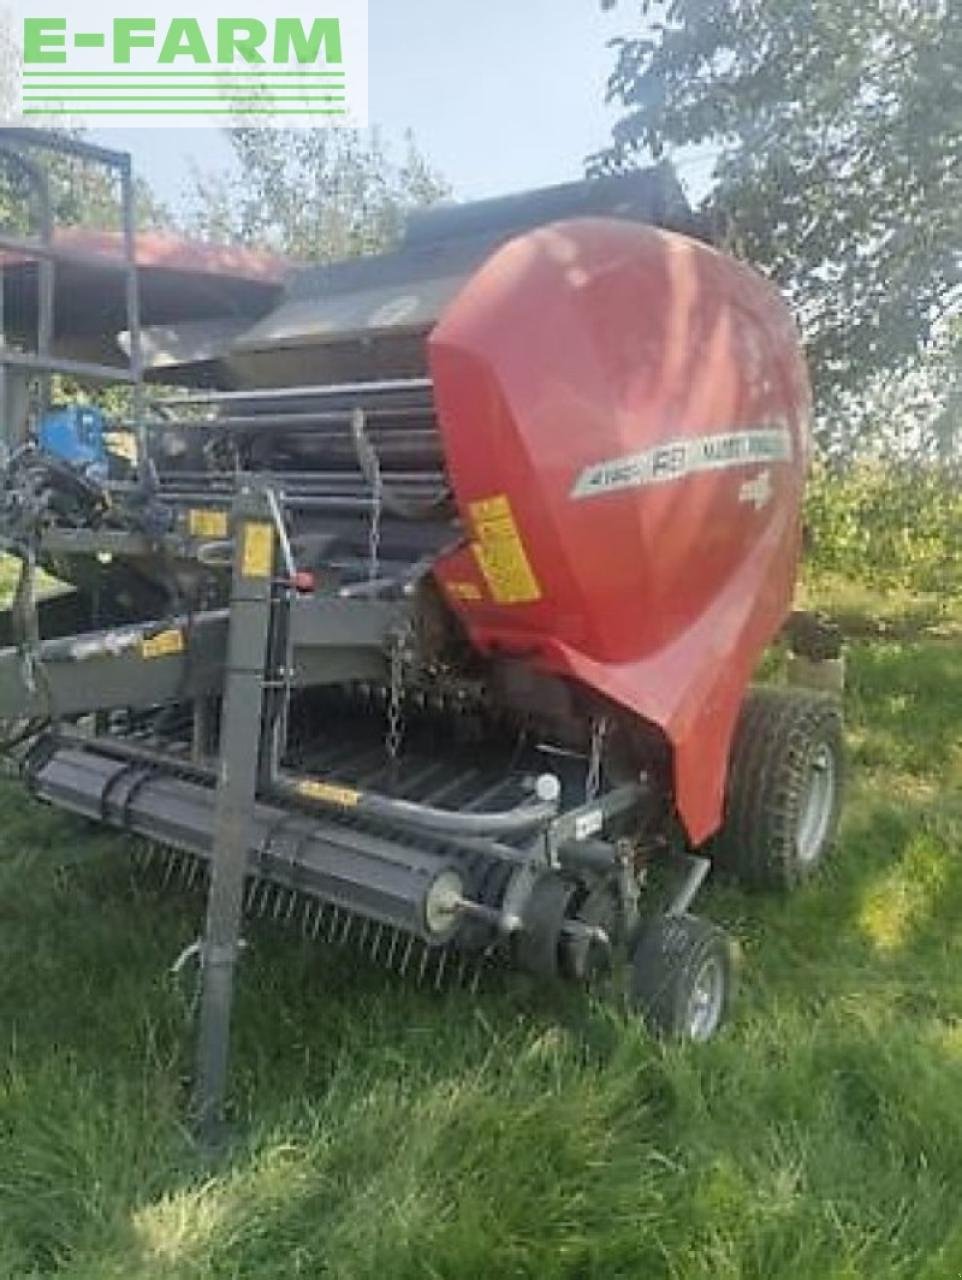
(500, 552)
(679, 458)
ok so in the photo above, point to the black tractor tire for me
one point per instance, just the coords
(784, 793)
(682, 977)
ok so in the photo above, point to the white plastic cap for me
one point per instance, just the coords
(547, 787)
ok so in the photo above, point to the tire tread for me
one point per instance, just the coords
(775, 737)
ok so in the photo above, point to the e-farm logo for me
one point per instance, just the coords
(154, 66)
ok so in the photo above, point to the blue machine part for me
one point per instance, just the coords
(76, 434)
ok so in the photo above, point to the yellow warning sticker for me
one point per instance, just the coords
(257, 560)
(207, 524)
(500, 552)
(163, 645)
(464, 590)
(344, 797)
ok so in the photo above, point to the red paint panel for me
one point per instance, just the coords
(624, 358)
(168, 252)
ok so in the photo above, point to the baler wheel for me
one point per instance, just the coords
(582, 958)
(784, 788)
(682, 977)
(538, 944)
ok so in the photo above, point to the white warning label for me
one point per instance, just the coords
(676, 459)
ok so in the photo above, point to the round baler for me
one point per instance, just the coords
(500, 524)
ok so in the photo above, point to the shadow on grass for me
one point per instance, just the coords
(905, 706)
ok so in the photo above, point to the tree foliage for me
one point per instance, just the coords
(838, 134)
(317, 194)
(81, 194)
(888, 526)
(9, 65)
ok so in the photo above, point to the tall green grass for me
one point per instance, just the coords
(385, 1132)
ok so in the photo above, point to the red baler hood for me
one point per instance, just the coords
(625, 417)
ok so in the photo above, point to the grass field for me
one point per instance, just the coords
(384, 1132)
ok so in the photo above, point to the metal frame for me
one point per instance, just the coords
(13, 144)
(347, 847)
(242, 740)
(239, 815)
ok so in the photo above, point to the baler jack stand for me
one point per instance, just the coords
(240, 754)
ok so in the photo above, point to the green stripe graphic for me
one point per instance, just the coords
(181, 97)
(164, 111)
(47, 75)
(239, 91)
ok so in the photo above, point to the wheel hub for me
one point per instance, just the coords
(818, 803)
(706, 1001)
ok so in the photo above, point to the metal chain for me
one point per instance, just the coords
(370, 465)
(395, 702)
(599, 730)
(374, 533)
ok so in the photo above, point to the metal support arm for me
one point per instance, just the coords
(241, 738)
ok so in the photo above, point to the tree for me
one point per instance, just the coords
(81, 194)
(946, 429)
(318, 194)
(9, 67)
(838, 134)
